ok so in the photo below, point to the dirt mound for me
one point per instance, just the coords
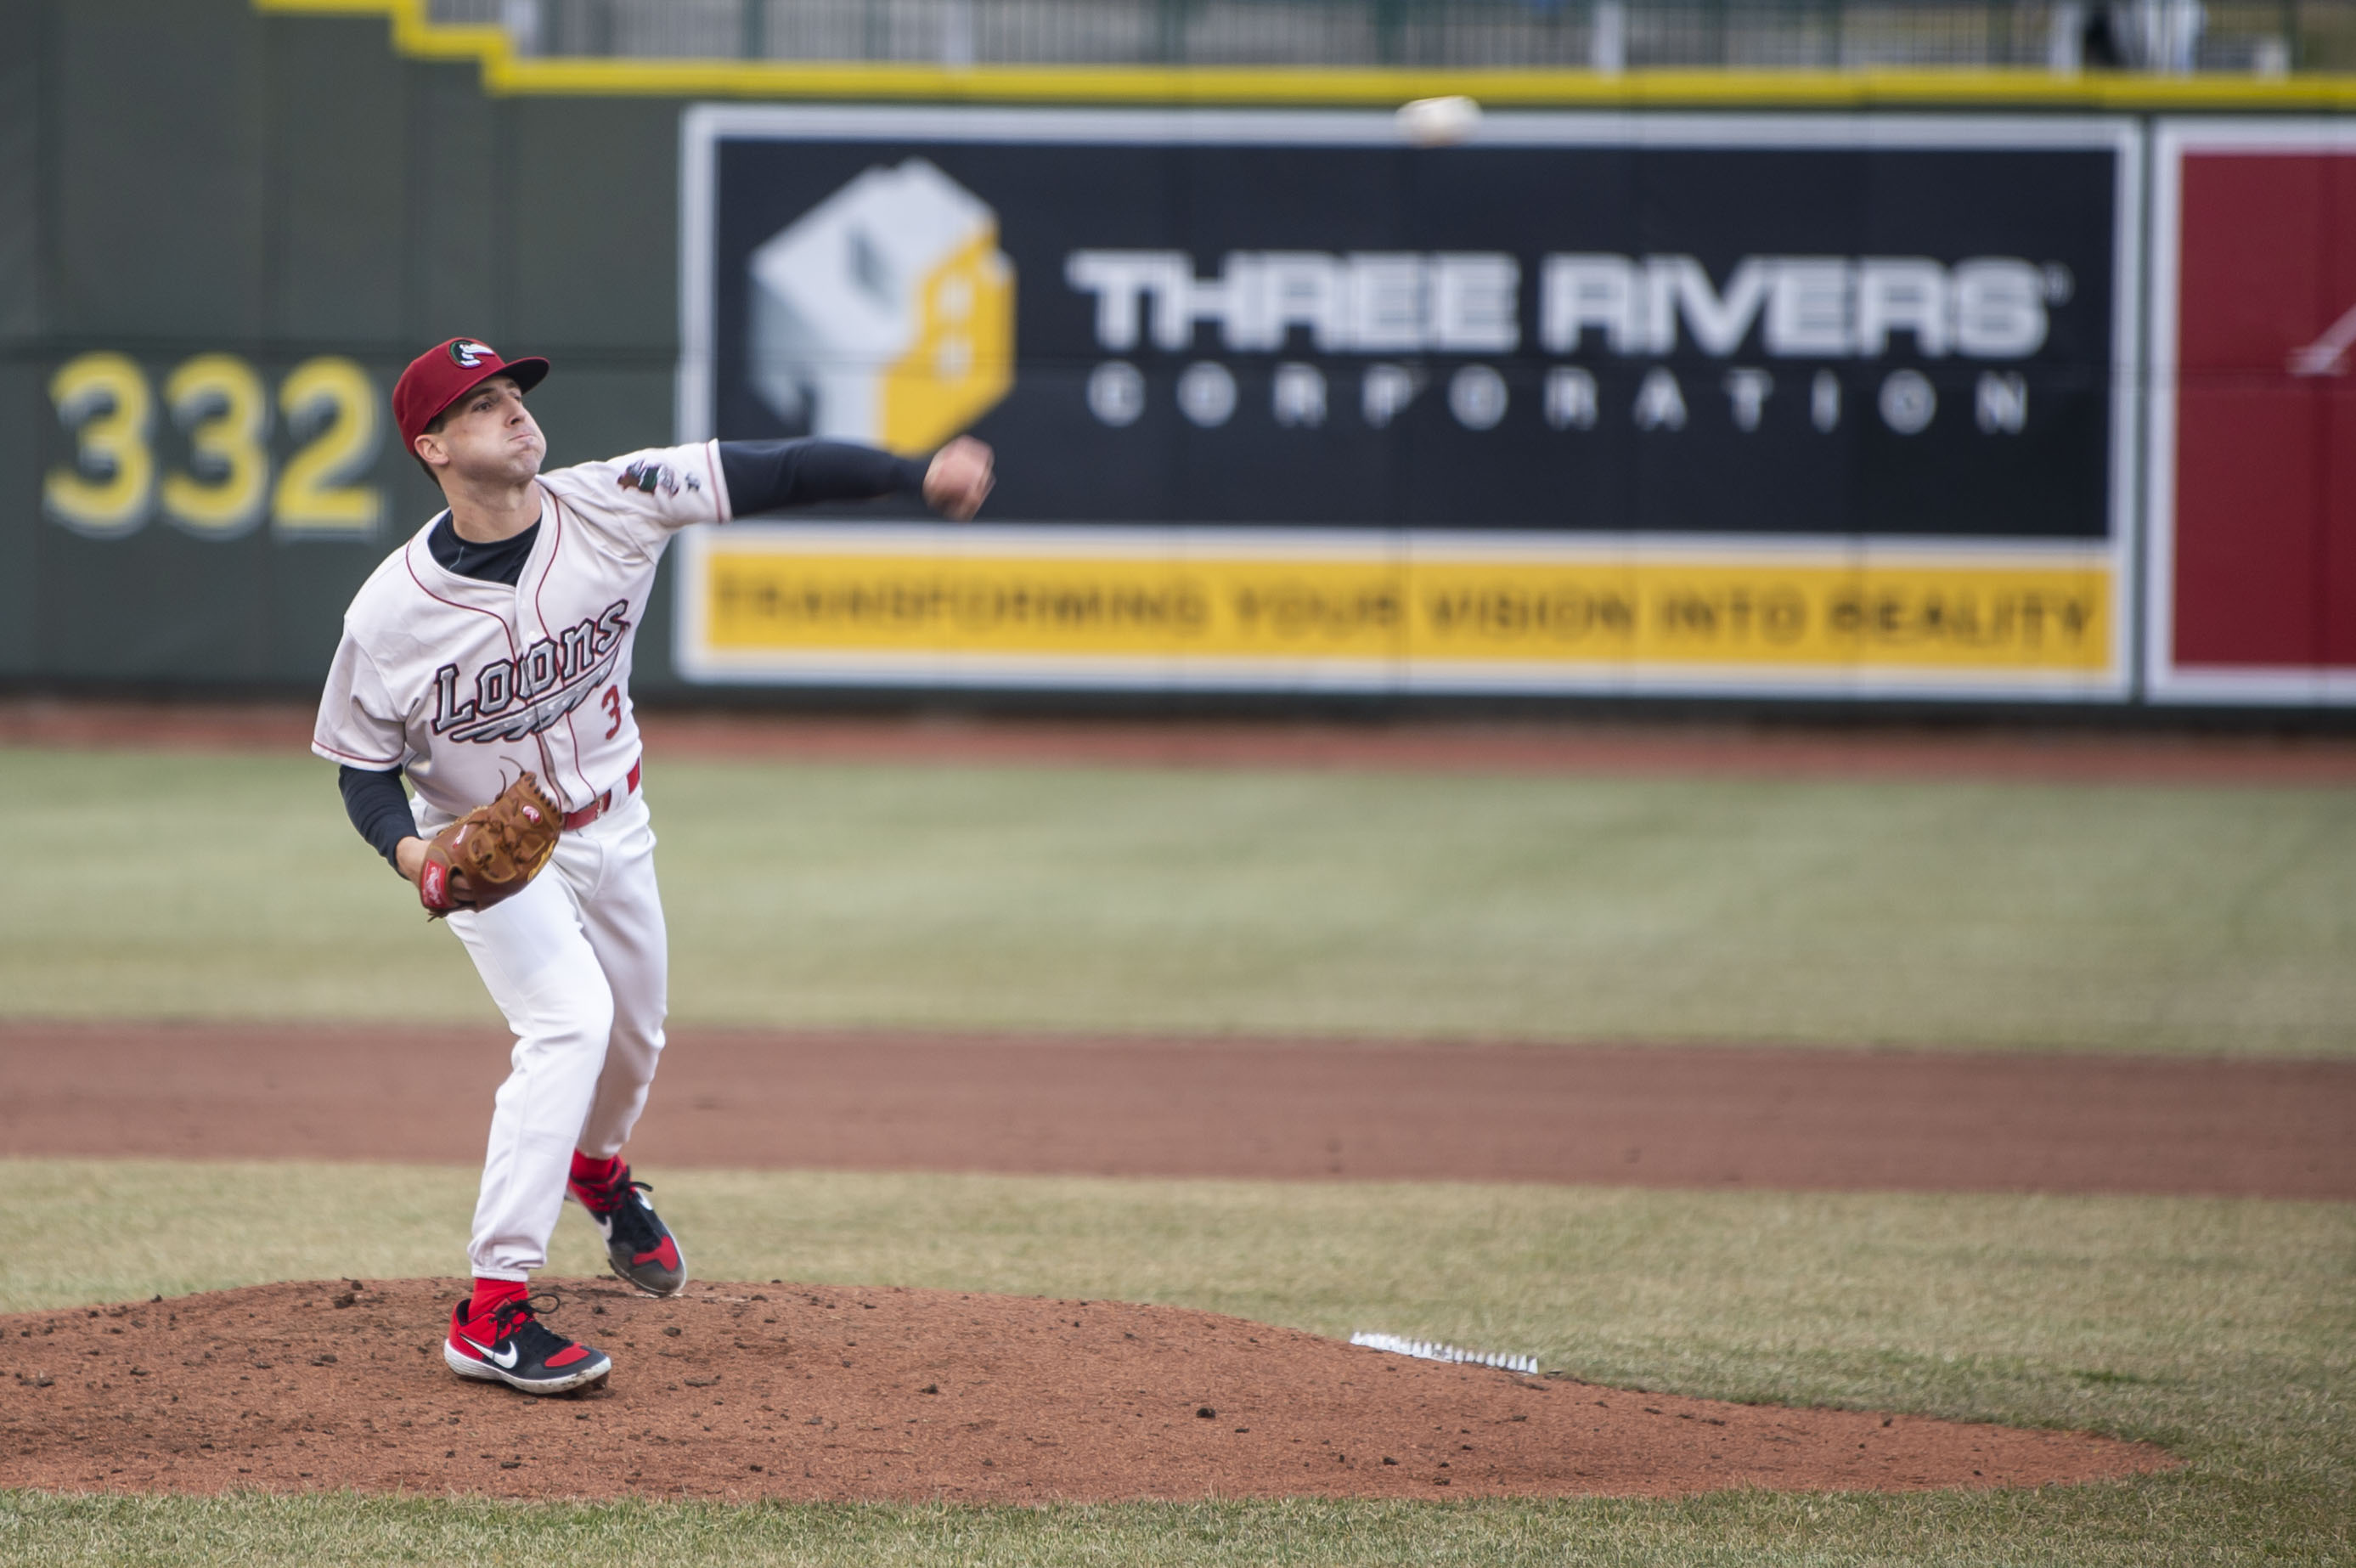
(823, 1393)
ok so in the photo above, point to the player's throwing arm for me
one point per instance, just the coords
(488, 662)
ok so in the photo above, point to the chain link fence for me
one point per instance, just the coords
(2263, 38)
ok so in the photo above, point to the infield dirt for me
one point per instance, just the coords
(814, 1393)
(1593, 747)
(1722, 1117)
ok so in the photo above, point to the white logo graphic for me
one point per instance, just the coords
(1206, 391)
(1477, 397)
(1626, 307)
(885, 314)
(505, 1363)
(2327, 355)
(1986, 308)
(1116, 393)
(469, 353)
(1908, 402)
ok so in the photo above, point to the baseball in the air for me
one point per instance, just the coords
(1439, 121)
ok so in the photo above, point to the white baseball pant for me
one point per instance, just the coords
(579, 963)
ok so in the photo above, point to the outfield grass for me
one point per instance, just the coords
(2218, 1328)
(2078, 917)
(2032, 917)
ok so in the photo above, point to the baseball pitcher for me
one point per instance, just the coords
(488, 660)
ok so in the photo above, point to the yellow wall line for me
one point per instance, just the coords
(505, 73)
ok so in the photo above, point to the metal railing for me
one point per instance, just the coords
(2264, 37)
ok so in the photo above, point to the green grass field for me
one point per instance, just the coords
(2216, 921)
(1946, 915)
(2218, 1328)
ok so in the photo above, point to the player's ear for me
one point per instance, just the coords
(429, 449)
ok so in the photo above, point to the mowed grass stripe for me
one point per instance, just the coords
(2217, 1327)
(2093, 1527)
(2030, 916)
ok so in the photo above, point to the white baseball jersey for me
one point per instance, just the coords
(465, 683)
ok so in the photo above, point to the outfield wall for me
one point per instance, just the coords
(1963, 388)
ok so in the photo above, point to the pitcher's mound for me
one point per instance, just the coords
(819, 1391)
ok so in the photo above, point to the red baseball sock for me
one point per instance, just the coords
(489, 1293)
(593, 1173)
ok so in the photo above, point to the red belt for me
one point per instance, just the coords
(605, 802)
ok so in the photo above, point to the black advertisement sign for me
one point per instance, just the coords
(1819, 332)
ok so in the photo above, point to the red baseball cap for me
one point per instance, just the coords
(448, 372)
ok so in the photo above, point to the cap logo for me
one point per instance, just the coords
(467, 353)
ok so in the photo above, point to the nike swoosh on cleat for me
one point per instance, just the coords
(504, 1363)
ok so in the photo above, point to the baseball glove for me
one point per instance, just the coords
(491, 852)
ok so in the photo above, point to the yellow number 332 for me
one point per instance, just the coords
(111, 488)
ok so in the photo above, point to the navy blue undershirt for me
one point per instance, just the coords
(761, 477)
(501, 561)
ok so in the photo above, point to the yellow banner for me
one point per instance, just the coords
(1971, 616)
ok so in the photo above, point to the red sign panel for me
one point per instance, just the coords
(2252, 474)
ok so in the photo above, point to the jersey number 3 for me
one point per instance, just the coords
(613, 706)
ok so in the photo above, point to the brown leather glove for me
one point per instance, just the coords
(491, 852)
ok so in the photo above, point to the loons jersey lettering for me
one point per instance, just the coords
(524, 696)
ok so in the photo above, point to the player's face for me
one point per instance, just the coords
(487, 436)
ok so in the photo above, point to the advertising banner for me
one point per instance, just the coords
(2252, 590)
(1804, 405)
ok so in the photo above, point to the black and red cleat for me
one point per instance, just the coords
(637, 1243)
(509, 1345)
